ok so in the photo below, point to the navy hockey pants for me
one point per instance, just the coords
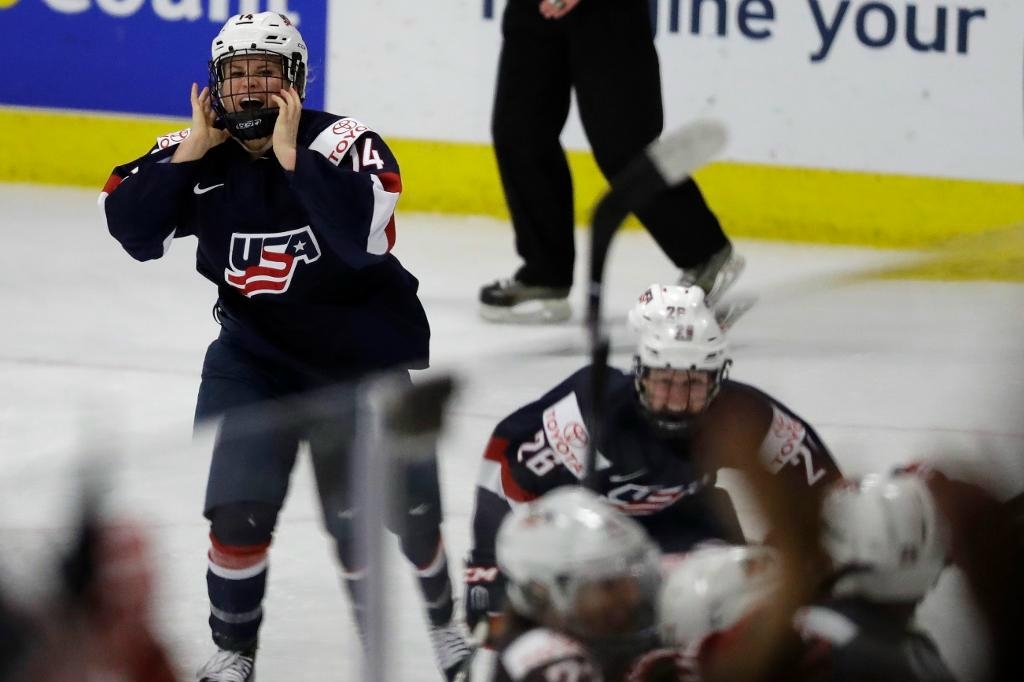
(257, 443)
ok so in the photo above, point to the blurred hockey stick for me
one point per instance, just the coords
(399, 422)
(78, 565)
(667, 162)
(94, 480)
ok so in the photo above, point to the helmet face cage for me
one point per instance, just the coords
(594, 603)
(574, 562)
(657, 387)
(681, 357)
(620, 604)
(243, 101)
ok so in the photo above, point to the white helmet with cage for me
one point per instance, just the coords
(575, 563)
(886, 537)
(257, 36)
(678, 338)
(712, 588)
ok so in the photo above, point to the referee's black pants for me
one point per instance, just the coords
(604, 50)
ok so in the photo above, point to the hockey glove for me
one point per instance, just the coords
(485, 588)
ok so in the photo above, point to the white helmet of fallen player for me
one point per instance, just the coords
(681, 355)
(711, 589)
(886, 538)
(252, 58)
(576, 564)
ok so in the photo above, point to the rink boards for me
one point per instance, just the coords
(752, 200)
(852, 122)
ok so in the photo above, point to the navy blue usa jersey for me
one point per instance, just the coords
(665, 483)
(643, 473)
(301, 260)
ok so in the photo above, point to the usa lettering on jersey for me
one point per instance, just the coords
(642, 500)
(266, 263)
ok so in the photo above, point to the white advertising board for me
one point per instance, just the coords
(918, 87)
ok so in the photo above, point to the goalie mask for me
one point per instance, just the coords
(254, 57)
(681, 356)
(885, 536)
(575, 564)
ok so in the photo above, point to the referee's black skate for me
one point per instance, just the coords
(716, 274)
(512, 301)
(229, 666)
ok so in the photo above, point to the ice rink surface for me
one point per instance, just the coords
(100, 352)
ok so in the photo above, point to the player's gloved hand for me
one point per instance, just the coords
(286, 128)
(203, 135)
(485, 588)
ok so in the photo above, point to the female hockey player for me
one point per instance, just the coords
(886, 543)
(582, 581)
(669, 425)
(293, 210)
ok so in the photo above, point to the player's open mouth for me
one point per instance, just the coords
(250, 103)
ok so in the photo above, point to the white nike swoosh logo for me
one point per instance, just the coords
(627, 477)
(203, 190)
(420, 510)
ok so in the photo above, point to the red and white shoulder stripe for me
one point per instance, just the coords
(163, 142)
(496, 474)
(342, 140)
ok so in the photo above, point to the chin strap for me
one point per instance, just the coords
(250, 125)
(262, 151)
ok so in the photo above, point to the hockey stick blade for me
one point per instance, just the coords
(665, 163)
(681, 152)
(729, 311)
(419, 409)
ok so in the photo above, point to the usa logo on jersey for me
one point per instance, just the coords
(265, 263)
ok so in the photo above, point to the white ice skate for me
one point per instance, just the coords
(716, 274)
(450, 648)
(229, 666)
(729, 310)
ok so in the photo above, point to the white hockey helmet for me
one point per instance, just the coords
(676, 330)
(569, 551)
(265, 33)
(712, 588)
(885, 536)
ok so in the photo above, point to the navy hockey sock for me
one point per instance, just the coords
(236, 580)
(428, 555)
(353, 581)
